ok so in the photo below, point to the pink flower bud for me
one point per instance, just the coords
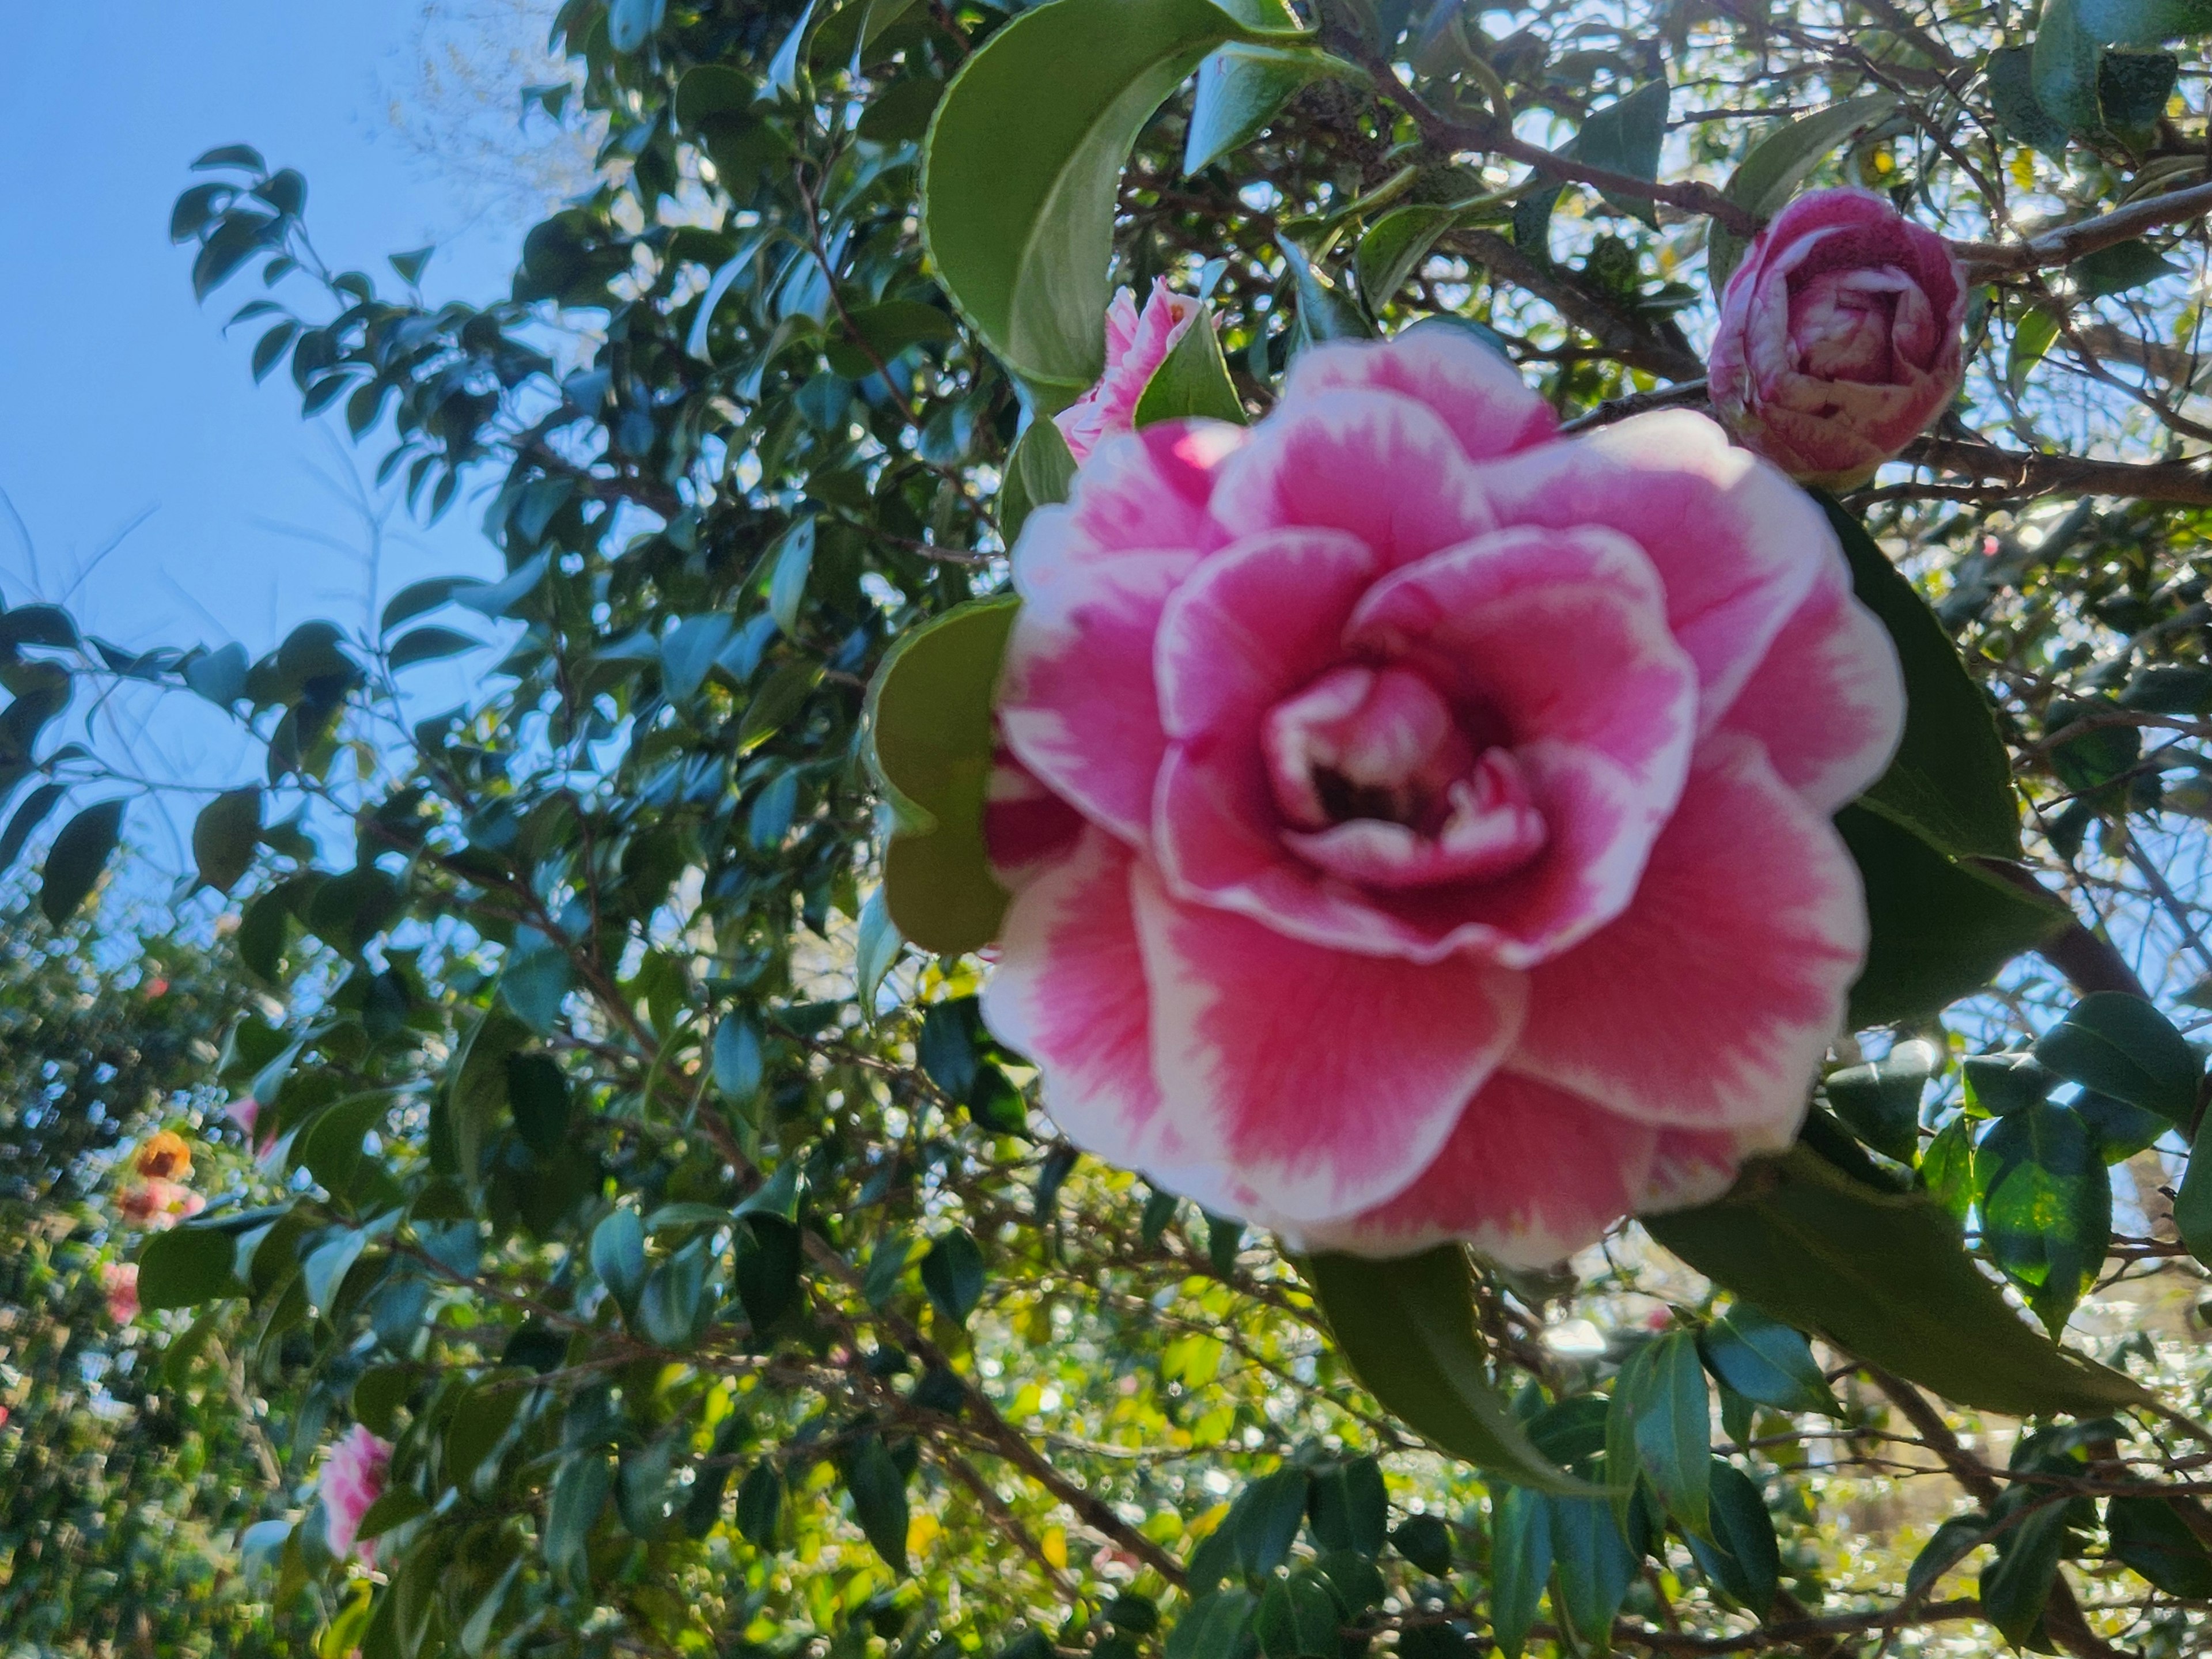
(1136, 345)
(120, 1282)
(1839, 337)
(354, 1477)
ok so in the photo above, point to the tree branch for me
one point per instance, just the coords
(2020, 475)
(1984, 260)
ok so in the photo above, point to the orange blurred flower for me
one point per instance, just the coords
(167, 1155)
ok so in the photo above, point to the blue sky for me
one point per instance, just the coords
(124, 397)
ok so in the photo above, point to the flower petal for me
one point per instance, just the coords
(1736, 544)
(1378, 466)
(1691, 1167)
(1709, 1004)
(1529, 1175)
(1828, 703)
(1490, 409)
(1326, 1082)
(1068, 992)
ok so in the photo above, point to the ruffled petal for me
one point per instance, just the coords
(1828, 703)
(1736, 544)
(1490, 409)
(1710, 1003)
(1529, 1175)
(1380, 466)
(1326, 1082)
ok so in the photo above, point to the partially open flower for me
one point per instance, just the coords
(1136, 343)
(167, 1155)
(1840, 337)
(1453, 856)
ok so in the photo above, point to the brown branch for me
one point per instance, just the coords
(1984, 260)
(1623, 338)
(1788, 1631)
(2020, 475)
(2089, 962)
(1639, 403)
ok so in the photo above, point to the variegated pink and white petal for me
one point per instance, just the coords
(1690, 1167)
(1068, 994)
(1828, 703)
(1490, 409)
(1380, 466)
(1559, 635)
(1710, 1003)
(1324, 1081)
(1738, 546)
(1143, 489)
(1075, 696)
(1529, 1175)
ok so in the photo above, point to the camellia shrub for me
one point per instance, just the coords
(1470, 928)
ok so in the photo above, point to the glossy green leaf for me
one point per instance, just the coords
(2120, 269)
(323, 1269)
(631, 23)
(580, 1496)
(2193, 1202)
(1765, 179)
(1998, 1084)
(1593, 1564)
(876, 950)
(36, 806)
(1879, 1102)
(1349, 1507)
(1742, 1555)
(537, 1094)
(2063, 68)
(1394, 247)
(2046, 1206)
(429, 645)
(78, 859)
(1951, 779)
(1520, 1564)
(1325, 310)
(1192, 380)
(1018, 190)
(1297, 1619)
(1671, 1415)
(1885, 1277)
(736, 1061)
(184, 1267)
(2033, 334)
(1243, 86)
(1039, 472)
(688, 653)
(879, 1494)
(1767, 1362)
(1426, 1541)
(536, 980)
(2016, 1586)
(1407, 1327)
(930, 744)
(2150, 1537)
(618, 1255)
(952, 1273)
(2143, 23)
(1626, 136)
(2012, 94)
(760, 1505)
(1214, 1626)
(2121, 1046)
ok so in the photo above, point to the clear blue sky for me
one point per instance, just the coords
(123, 395)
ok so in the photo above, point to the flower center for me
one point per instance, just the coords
(1380, 783)
(1844, 324)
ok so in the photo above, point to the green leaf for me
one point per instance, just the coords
(787, 586)
(478, 1086)
(2063, 68)
(2150, 1537)
(323, 1269)
(1884, 1277)
(2121, 1046)
(1242, 88)
(1039, 472)
(1520, 1564)
(2118, 269)
(411, 600)
(1671, 1413)
(1297, 1619)
(2192, 1203)
(537, 1094)
(1325, 310)
(760, 1504)
(1192, 379)
(2143, 23)
(2046, 1206)
(535, 980)
(186, 1267)
(879, 332)
(1426, 1541)
(952, 1273)
(618, 1255)
(1940, 929)
(2016, 1586)
(1742, 1556)
(580, 1496)
(1392, 247)
(77, 858)
(688, 652)
(2133, 88)
(2032, 336)
(1593, 1565)
(1018, 190)
(2012, 94)
(1212, 1626)
(224, 836)
(1626, 136)
(878, 1492)
(1407, 1328)
(429, 645)
(396, 1508)
(28, 817)
(1951, 780)
(631, 23)
(1880, 1103)
(878, 951)
(1999, 1084)
(1767, 178)
(738, 1064)
(1350, 1509)
(1768, 1362)
(2121, 1130)
(930, 744)
(330, 1147)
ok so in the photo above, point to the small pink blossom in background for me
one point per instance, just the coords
(1442, 847)
(246, 1112)
(354, 1477)
(1840, 337)
(158, 1204)
(1136, 343)
(120, 1282)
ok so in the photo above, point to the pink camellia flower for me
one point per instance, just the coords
(120, 1280)
(354, 1477)
(1840, 337)
(246, 1112)
(1455, 858)
(158, 1204)
(1136, 343)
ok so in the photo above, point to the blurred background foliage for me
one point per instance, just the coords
(719, 1282)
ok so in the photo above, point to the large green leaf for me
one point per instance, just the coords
(2063, 68)
(186, 1267)
(1243, 86)
(1407, 1328)
(930, 743)
(2142, 22)
(1765, 179)
(1940, 929)
(224, 836)
(1951, 779)
(2120, 1045)
(1024, 160)
(1885, 1277)
(1520, 1564)
(79, 854)
(2046, 1205)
